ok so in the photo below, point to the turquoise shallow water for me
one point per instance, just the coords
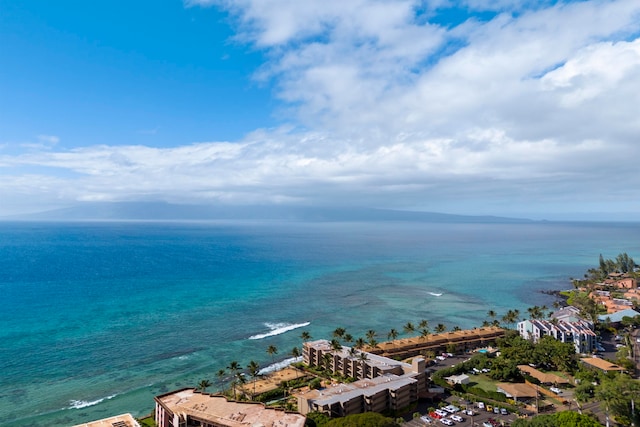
(97, 318)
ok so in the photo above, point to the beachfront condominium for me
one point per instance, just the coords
(382, 383)
(579, 333)
(191, 408)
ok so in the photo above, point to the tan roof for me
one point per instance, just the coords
(517, 389)
(596, 362)
(124, 420)
(542, 376)
(229, 413)
(444, 337)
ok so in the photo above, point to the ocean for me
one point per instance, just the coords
(97, 318)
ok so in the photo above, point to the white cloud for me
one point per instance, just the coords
(534, 108)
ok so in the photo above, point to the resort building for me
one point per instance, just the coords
(453, 341)
(191, 408)
(124, 420)
(579, 333)
(383, 383)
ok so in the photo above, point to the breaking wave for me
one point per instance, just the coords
(277, 329)
(279, 365)
(79, 404)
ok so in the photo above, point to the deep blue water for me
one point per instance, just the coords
(97, 318)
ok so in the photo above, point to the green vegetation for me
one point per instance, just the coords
(147, 421)
(560, 419)
(368, 419)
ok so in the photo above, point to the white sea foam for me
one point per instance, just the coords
(279, 365)
(277, 329)
(79, 404)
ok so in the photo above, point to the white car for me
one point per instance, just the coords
(457, 418)
(447, 422)
(441, 412)
(426, 419)
(481, 405)
(469, 412)
(556, 390)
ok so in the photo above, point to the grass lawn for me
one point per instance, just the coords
(147, 422)
(482, 381)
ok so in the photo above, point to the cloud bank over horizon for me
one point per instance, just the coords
(470, 107)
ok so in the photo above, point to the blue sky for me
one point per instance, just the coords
(472, 106)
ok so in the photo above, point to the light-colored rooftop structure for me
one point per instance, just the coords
(543, 377)
(518, 391)
(617, 316)
(189, 407)
(124, 420)
(603, 365)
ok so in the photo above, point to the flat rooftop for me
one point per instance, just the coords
(124, 420)
(233, 414)
(366, 387)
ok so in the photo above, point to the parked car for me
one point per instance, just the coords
(487, 424)
(504, 411)
(469, 412)
(441, 413)
(457, 418)
(496, 410)
(427, 419)
(481, 405)
(556, 390)
(447, 422)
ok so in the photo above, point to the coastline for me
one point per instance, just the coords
(195, 294)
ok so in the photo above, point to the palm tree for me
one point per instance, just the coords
(440, 328)
(305, 335)
(220, 374)
(335, 345)
(392, 335)
(239, 379)
(339, 332)
(271, 351)
(456, 328)
(409, 328)
(327, 359)
(424, 333)
(492, 314)
(511, 317)
(254, 371)
(536, 312)
(362, 356)
(204, 384)
(295, 352)
(360, 343)
(348, 338)
(371, 335)
(423, 324)
(234, 368)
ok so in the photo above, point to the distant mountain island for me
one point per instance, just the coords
(159, 211)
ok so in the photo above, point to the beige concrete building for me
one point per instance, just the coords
(191, 408)
(382, 383)
(124, 420)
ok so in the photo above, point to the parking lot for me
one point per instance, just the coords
(479, 416)
(477, 419)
